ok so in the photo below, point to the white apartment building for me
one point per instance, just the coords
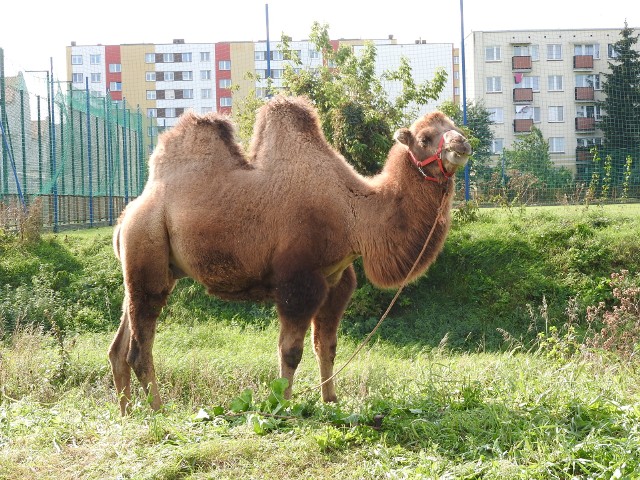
(551, 79)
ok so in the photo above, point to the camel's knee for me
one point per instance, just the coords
(292, 356)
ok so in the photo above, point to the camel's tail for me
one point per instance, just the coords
(116, 241)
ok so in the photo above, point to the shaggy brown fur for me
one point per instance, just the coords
(283, 224)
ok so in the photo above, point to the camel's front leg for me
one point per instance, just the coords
(325, 330)
(298, 297)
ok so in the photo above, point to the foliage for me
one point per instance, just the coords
(357, 116)
(25, 222)
(619, 321)
(621, 86)
(530, 154)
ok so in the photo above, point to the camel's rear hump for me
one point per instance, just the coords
(200, 141)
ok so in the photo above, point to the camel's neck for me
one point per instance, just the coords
(397, 219)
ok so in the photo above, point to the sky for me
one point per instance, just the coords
(40, 30)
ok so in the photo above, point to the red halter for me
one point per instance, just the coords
(435, 157)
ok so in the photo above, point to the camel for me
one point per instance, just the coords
(282, 223)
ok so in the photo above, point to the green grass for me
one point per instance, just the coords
(456, 400)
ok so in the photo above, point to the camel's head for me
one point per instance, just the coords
(436, 146)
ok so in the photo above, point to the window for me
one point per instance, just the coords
(149, 58)
(167, 57)
(556, 114)
(187, 93)
(186, 57)
(152, 112)
(276, 72)
(259, 55)
(556, 145)
(588, 49)
(151, 94)
(169, 76)
(555, 83)
(588, 81)
(589, 142)
(261, 92)
(152, 131)
(188, 75)
(204, 110)
(314, 54)
(224, 83)
(169, 113)
(115, 68)
(261, 74)
(494, 84)
(77, 78)
(527, 51)
(589, 111)
(456, 91)
(496, 115)
(277, 55)
(456, 60)
(96, 78)
(497, 145)
(529, 82)
(224, 65)
(115, 86)
(205, 93)
(554, 51)
(150, 76)
(611, 51)
(169, 94)
(492, 54)
(205, 74)
(225, 101)
(456, 75)
(76, 59)
(528, 112)
(205, 56)
(95, 59)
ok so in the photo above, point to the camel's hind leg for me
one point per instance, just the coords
(325, 329)
(118, 359)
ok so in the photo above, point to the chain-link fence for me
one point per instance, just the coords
(84, 156)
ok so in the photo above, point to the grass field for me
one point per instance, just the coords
(440, 393)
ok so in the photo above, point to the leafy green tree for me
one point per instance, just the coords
(479, 133)
(530, 153)
(621, 86)
(357, 115)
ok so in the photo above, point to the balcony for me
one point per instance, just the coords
(520, 62)
(583, 62)
(583, 154)
(522, 125)
(585, 124)
(523, 95)
(586, 94)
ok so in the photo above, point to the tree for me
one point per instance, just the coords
(357, 115)
(480, 134)
(530, 153)
(621, 86)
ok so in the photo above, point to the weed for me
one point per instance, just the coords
(619, 323)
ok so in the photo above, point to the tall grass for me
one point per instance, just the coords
(440, 393)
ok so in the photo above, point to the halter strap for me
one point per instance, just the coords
(436, 157)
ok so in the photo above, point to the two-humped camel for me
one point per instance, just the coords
(282, 224)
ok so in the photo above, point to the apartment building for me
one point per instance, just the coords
(166, 79)
(551, 79)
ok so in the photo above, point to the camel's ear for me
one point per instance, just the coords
(404, 136)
